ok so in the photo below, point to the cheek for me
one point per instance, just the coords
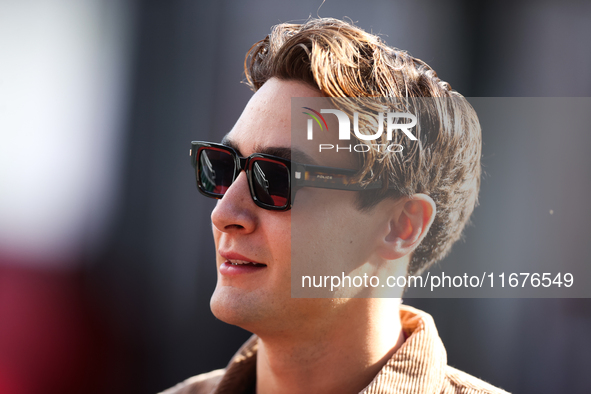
(278, 235)
(328, 233)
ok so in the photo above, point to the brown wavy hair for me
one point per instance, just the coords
(342, 60)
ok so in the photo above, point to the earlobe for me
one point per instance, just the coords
(408, 226)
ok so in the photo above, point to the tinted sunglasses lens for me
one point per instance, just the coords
(270, 181)
(215, 170)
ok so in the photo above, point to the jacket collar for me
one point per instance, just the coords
(418, 366)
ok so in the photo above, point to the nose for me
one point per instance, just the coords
(235, 212)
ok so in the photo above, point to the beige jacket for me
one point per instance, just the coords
(419, 366)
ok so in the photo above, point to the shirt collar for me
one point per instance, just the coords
(418, 366)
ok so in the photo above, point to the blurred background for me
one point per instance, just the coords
(106, 254)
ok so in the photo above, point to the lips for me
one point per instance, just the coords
(237, 264)
(242, 262)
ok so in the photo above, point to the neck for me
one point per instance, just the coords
(331, 357)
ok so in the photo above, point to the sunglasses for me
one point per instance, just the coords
(271, 181)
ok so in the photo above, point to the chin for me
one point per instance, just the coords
(237, 307)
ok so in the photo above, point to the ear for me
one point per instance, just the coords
(409, 223)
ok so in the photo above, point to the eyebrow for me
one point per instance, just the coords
(285, 153)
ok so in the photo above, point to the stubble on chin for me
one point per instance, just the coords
(236, 306)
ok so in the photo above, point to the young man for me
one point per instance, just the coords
(425, 195)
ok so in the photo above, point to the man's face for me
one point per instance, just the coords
(329, 226)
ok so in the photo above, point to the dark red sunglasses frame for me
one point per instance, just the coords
(303, 175)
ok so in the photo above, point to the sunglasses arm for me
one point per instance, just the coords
(305, 175)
